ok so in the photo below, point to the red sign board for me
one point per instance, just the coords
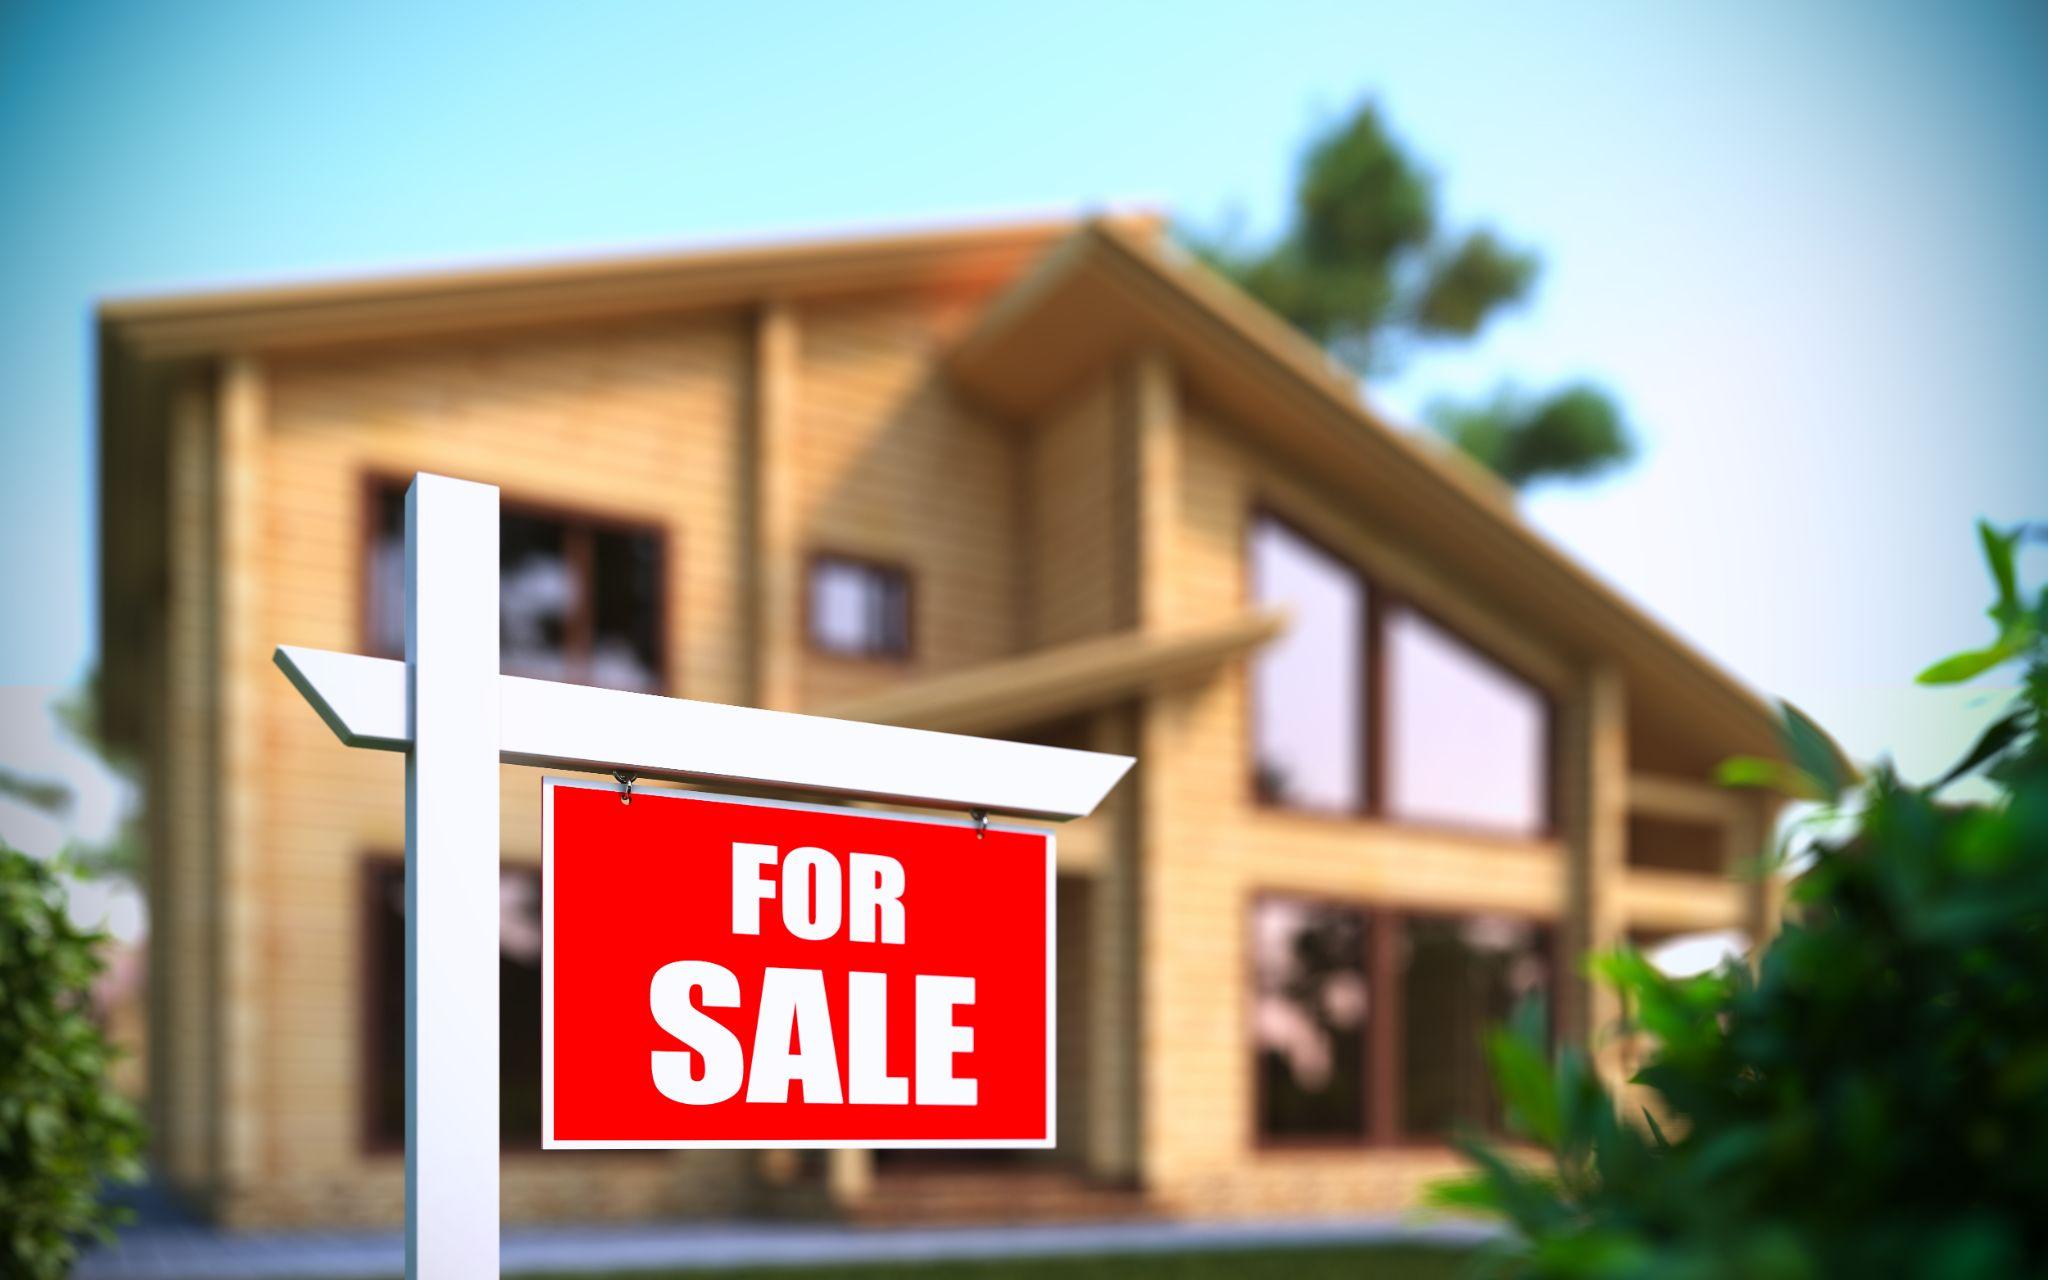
(720, 972)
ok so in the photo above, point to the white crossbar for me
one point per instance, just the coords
(569, 726)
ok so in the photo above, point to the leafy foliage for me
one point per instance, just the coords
(62, 1130)
(1367, 269)
(1366, 264)
(1874, 1100)
(1576, 432)
(120, 853)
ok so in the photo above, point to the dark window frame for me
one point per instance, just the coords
(1369, 1073)
(376, 1033)
(1374, 723)
(1553, 942)
(898, 570)
(1384, 1072)
(579, 524)
(379, 1035)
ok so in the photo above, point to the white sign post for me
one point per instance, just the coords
(455, 716)
(451, 879)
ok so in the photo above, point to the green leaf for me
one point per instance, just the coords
(1656, 1131)
(1465, 1194)
(1970, 663)
(1523, 1073)
(1577, 431)
(1812, 750)
(1998, 553)
(1760, 774)
(2002, 734)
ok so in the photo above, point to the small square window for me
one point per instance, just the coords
(859, 608)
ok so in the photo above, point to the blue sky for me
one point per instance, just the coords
(1803, 240)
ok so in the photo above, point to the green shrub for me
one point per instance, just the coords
(1874, 1100)
(62, 1131)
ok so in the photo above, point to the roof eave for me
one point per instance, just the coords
(470, 301)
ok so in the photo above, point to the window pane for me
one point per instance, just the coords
(384, 1020)
(1467, 743)
(1309, 1015)
(626, 645)
(575, 602)
(518, 1006)
(387, 575)
(1460, 978)
(859, 609)
(537, 595)
(1308, 684)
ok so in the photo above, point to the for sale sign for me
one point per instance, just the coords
(720, 972)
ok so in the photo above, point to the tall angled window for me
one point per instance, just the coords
(1467, 742)
(858, 608)
(579, 598)
(1311, 999)
(1308, 685)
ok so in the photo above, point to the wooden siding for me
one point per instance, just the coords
(1211, 848)
(642, 423)
(1074, 566)
(891, 466)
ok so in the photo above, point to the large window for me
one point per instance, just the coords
(1370, 1025)
(1368, 706)
(579, 598)
(518, 1005)
(1309, 684)
(1310, 1004)
(1467, 743)
(1461, 977)
(858, 608)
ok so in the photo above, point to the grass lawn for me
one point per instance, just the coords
(1351, 1262)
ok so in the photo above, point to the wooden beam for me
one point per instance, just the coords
(1052, 683)
(774, 573)
(1596, 825)
(245, 975)
(1682, 901)
(1767, 886)
(1684, 800)
(1156, 442)
(1155, 426)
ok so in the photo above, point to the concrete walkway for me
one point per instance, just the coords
(187, 1252)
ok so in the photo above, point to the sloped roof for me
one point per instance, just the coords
(1075, 296)
(473, 300)
(1107, 291)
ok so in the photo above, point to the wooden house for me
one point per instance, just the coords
(1400, 758)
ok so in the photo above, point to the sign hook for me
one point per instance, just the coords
(980, 817)
(625, 781)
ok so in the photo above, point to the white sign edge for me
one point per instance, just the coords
(549, 1142)
(565, 726)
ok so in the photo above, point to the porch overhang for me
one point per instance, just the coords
(1052, 684)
